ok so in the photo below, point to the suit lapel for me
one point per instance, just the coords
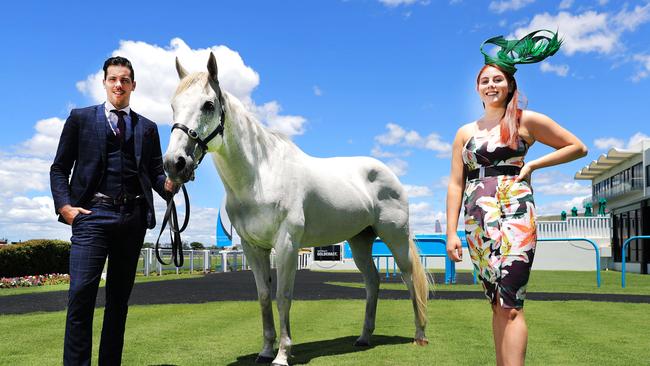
(138, 131)
(100, 128)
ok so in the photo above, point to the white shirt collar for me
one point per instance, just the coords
(109, 107)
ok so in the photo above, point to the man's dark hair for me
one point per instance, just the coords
(118, 61)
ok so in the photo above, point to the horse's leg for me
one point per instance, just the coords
(259, 261)
(361, 246)
(286, 263)
(406, 255)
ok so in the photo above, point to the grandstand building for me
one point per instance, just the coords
(622, 178)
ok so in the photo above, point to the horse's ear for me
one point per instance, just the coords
(212, 68)
(182, 73)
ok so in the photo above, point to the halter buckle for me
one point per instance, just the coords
(192, 134)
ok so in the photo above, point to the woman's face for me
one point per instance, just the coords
(493, 87)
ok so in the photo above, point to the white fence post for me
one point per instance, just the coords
(191, 261)
(224, 261)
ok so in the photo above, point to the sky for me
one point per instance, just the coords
(393, 79)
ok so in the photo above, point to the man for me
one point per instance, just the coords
(109, 204)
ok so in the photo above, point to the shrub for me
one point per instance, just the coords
(34, 257)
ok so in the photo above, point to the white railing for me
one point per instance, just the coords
(202, 260)
(304, 260)
(598, 227)
(194, 260)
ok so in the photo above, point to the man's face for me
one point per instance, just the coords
(118, 85)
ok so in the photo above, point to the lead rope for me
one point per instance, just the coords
(174, 231)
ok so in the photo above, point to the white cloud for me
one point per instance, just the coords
(565, 4)
(394, 135)
(317, 91)
(606, 143)
(589, 31)
(398, 135)
(559, 70)
(636, 138)
(157, 80)
(24, 218)
(23, 174)
(644, 61)
(417, 191)
(563, 189)
(556, 183)
(378, 152)
(507, 5)
(288, 125)
(398, 166)
(555, 207)
(33, 210)
(46, 139)
(422, 217)
(630, 20)
(443, 182)
(396, 3)
(586, 32)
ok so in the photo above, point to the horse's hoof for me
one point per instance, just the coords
(263, 359)
(361, 343)
(421, 342)
(277, 364)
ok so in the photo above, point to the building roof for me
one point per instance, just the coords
(606, 161)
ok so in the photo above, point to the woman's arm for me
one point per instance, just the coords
(455, 190)
(543, 129)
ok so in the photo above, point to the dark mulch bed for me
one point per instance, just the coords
(236, 286)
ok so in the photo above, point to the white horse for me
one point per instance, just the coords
(279, 197)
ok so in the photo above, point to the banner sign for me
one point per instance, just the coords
(327, 253)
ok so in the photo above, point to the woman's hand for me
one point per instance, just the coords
(454, 248)
(525, 173)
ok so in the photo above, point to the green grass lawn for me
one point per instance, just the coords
(229, 333)
(64, 286)
(552, 281)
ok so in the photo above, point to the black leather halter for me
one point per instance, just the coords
(203, 143)
(171, 216)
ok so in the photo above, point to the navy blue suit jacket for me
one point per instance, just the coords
(83, 146)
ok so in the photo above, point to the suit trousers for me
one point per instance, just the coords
(116, 232)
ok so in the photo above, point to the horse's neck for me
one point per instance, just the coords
(249, 150)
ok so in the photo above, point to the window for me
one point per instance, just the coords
(647, 176)
(637, 176)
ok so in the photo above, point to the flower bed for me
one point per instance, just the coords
(30, 281)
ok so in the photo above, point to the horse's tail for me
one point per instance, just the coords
(420, 283)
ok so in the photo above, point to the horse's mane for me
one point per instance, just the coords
(266, 138)
(244, 115)
(191, 79)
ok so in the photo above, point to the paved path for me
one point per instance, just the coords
(235, 286)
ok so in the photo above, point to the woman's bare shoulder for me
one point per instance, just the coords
(466, 131)
(529, 117)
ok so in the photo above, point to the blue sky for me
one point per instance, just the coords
(392, 79)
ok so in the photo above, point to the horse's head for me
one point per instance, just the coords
(198, 121)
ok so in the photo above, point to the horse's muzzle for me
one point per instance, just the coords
(179, 168)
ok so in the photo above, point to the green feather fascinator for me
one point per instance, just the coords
(532, 48)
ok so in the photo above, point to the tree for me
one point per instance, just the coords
(197, 246)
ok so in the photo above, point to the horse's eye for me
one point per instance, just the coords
(208, 107)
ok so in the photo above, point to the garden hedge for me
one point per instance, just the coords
(34, 257)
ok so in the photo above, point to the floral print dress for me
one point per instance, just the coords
(499, 220)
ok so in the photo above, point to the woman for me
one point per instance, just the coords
(489, 176)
